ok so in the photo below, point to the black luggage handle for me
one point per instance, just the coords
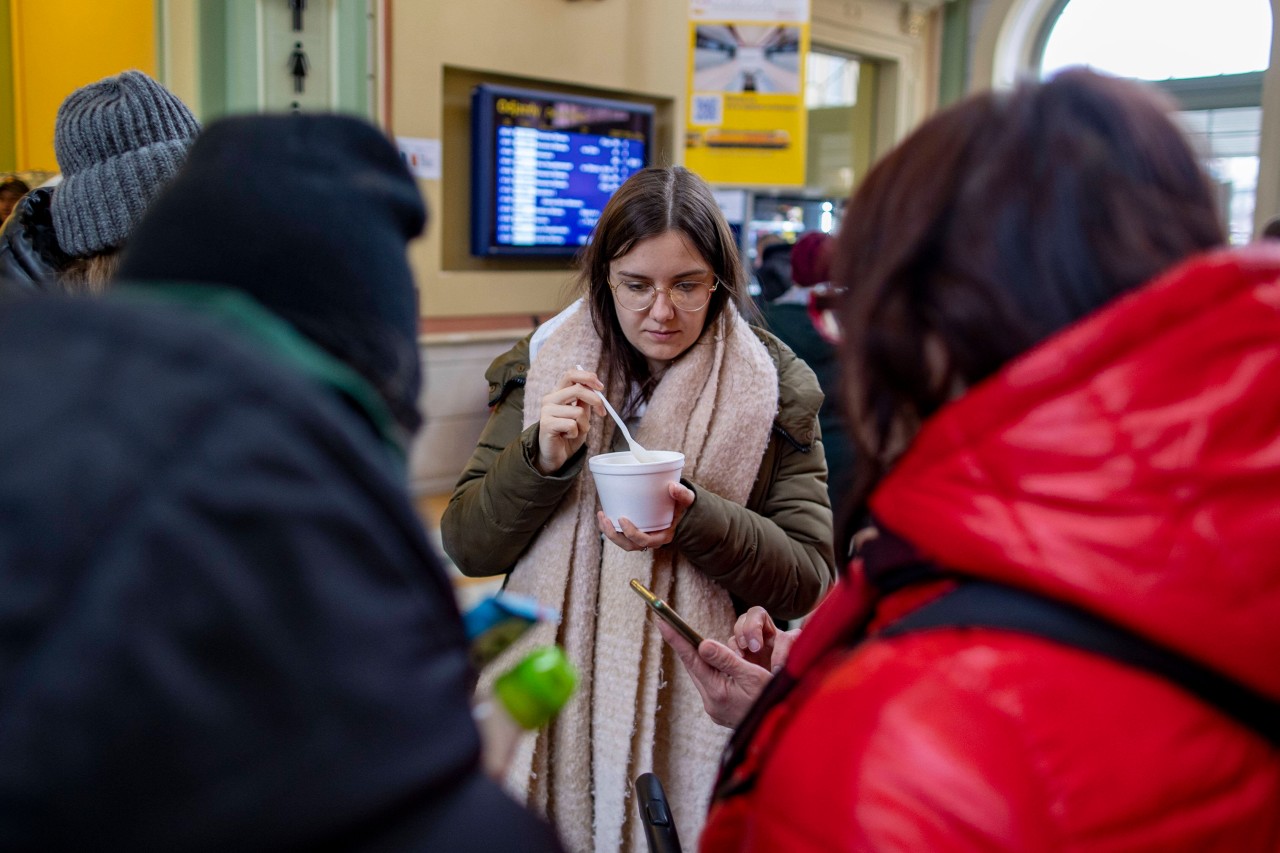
(655, 814)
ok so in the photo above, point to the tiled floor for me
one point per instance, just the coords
(469, 590)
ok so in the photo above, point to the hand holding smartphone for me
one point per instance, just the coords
(668, 615)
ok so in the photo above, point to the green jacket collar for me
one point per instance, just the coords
(250, 319)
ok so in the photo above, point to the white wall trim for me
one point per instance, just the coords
(1002, 52)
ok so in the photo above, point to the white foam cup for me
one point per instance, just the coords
(637, 491)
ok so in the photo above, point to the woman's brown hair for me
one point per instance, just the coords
(650, 203)
(91, 274)
(998, 222)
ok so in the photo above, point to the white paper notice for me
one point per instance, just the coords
(749, 10)
(422, 156)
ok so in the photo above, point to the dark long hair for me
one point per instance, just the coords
(650, 203)
(998, 222)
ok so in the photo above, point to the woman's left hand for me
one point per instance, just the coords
(632, 538)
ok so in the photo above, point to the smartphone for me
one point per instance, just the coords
(668, 615)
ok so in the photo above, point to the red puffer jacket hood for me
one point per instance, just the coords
(1129, 465)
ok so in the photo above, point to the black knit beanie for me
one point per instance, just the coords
(310, 215)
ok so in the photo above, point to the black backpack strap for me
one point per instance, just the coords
(978, 604)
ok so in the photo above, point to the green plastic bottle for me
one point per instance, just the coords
(525, 698)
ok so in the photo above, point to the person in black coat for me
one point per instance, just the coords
(118, 142)
(772, 268)
(30, 257)
(794, 316)
(221, 624)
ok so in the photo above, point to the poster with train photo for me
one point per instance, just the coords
(747, 121)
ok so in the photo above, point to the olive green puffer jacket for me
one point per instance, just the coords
(776, 552)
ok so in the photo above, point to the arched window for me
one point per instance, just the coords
(1209, 56)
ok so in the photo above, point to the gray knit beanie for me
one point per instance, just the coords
(118, 142)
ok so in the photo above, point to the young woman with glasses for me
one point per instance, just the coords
(659, 329)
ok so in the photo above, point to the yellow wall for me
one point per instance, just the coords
(59, 46)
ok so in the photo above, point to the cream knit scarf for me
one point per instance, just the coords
(635, 709)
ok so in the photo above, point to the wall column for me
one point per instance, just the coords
(1267, 201)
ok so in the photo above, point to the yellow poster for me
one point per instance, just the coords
(746, 120)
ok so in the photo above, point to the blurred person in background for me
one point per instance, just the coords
(221, 623)
(772, 267)
(1064, 634)
(12, 188)
(795, 317)
(118, 141)
(1270, 229)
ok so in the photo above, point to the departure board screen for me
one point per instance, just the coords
(544, 165)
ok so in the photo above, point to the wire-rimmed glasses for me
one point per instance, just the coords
(685, 295)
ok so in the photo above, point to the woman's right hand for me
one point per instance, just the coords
(565, 417)
(759, 640)
(728, 683)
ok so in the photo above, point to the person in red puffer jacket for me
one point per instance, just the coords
(1065, 391)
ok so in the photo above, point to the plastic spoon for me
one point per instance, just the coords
(637, 451)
